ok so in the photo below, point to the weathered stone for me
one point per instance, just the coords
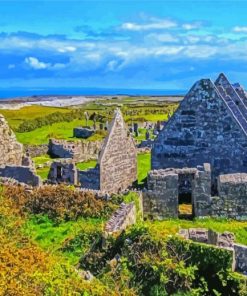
(82, 132)
(210, 126)
(77, 150)
(117, 159)
(124, 216)
(63, 171)
(11, 151)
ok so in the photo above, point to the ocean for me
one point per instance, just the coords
(25, 92)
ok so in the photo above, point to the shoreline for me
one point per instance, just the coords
(68, 101)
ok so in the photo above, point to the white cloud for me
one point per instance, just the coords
(67, 49)
(239, 29)
(155, 25)
(166, 37)
(36, 64)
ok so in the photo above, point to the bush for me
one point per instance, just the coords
(59, 202)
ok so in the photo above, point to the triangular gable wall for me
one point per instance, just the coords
(202, 130)
(117, 160)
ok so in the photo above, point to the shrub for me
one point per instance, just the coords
(59, 202)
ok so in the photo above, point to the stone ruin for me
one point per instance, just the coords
(209, 126)
(164, 187)
(11, 151)
(117, 163)
(225, 240)
(118, 158)
(124, 216)
(82, 132)
(77, 150)
(14, 164)
(63, 171)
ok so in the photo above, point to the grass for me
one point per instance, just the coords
(86, 165)
(16, 117)
(164, 228)
(52, 237)
(61, 130)
(143, 166)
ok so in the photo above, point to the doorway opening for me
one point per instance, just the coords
(59, 172)
(185, 202)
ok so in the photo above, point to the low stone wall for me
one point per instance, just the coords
(225, 240)
(77, 150)
(232, 199)
(124, 216)
(22, 174)
(36, 150)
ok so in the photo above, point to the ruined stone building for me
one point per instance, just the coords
(210, 126)
(13, 163)
(116, 169)
(118, 158)
(200, 157)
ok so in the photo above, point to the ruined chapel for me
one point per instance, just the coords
(209, 126)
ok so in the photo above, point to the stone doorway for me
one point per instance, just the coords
(185, 200)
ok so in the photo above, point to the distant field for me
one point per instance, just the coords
(140, 110)
(15, 117)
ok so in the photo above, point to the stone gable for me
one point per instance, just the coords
(117, 160)
(209, 126)
(11, 151)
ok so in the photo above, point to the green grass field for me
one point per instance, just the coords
(15, 117)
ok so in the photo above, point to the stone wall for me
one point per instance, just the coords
(118, 158)
(232, 197)
(206, 128)
(77, 150)
(225, 240)
(90, 178)
(63, 171)
(11, 151)
(82, 132)
(124, 216)
(36, 150)
(22, 174)
(240, 258)
(160, 200)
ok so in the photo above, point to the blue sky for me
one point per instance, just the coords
(121, 44)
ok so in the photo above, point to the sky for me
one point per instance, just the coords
(121, 44)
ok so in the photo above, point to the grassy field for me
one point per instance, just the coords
(15, 117)
(61, 130)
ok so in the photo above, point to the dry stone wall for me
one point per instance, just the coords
(11, 151)
(124, 216)
(118, 159)
(77, 150)
(231, 201)
(22, 174)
